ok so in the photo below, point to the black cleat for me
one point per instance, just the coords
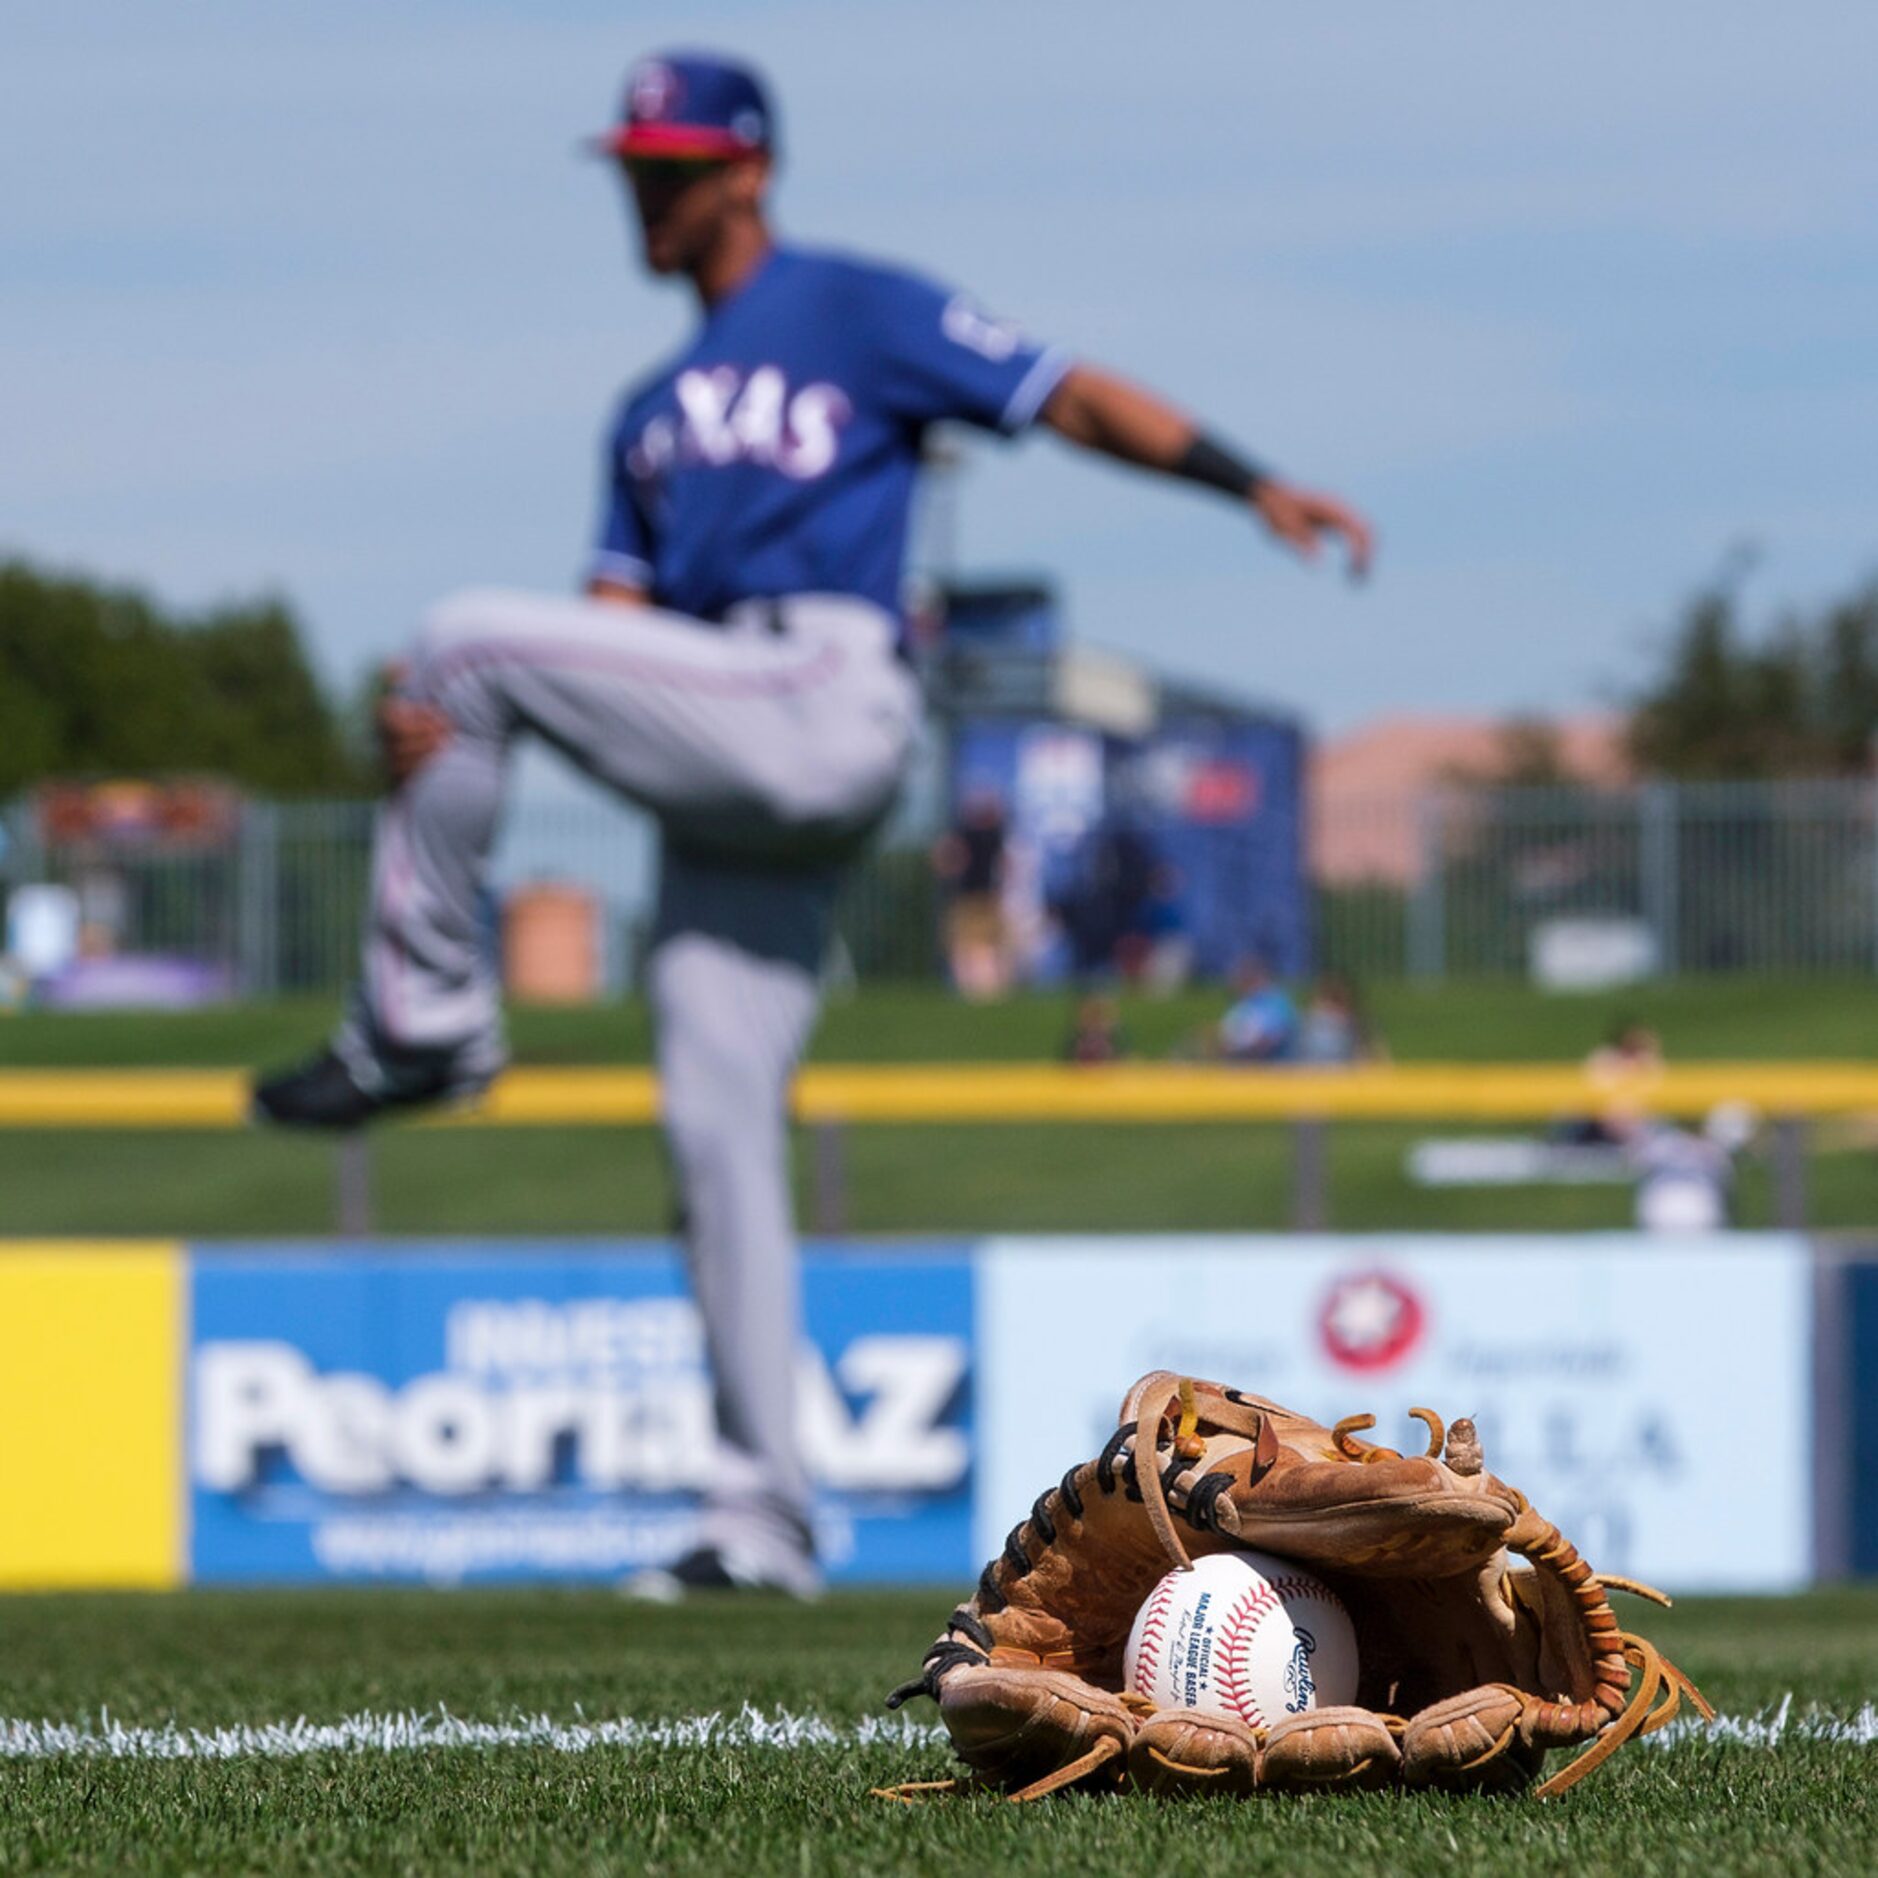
(705, 1568)
(323, 1092)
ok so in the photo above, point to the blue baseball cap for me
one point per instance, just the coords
(691, 106)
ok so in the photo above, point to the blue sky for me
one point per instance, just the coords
(317, 298)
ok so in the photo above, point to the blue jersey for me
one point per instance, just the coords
(777, 454)
(1260, 1028)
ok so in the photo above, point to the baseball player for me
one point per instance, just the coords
(736, 666)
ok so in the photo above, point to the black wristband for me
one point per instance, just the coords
(1205, 460)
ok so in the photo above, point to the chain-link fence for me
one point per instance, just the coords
(278, 907)
(1463, 882)
(1697, 877)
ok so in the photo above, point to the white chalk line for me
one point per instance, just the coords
(1773, 1726)
(412, 1731)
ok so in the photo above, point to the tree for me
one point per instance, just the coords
(1799, 699)
(101, 679)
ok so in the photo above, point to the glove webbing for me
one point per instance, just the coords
(1115, 1469)
(1112, 1472)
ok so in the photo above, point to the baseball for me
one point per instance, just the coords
(1244, 1635)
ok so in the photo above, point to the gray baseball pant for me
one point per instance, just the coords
(767, 749)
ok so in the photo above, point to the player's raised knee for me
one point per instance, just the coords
(467, 617)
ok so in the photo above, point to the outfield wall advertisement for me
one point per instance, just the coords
(1617, 1380)
(478, 1413)
(498, 1410)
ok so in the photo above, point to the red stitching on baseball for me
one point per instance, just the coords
(1153, 1628)
(1260, 1598)
(1307, 1588)
(1243, 1614)
(1234, 1689)
(1147, 1654)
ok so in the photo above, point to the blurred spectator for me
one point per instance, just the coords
(1084, 917)
(1629, 1048)
(1095, 1032)
(1128, 865)
(1619, 1070)
(1033, 945)
(970, 859)
(1333, 1028)
(1101, 912)
(1685, 1178)
(1161, 945)
(1261, 1026)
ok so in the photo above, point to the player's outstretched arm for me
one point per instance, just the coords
(1107, 414)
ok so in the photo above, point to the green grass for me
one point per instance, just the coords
(203, 1659)
(1489, 1020)
(1212, 1178)
(899, 1179)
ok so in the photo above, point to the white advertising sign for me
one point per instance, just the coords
(1651, 1399)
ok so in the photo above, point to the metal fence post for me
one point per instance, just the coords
(1789, 1145)
(257, 907)
(1658, 808)
(829, 1205)
(1428, 912)
(1834, 1481)
(1871, 853)
(1310, 1174)
(352, 1185)
(26, 859)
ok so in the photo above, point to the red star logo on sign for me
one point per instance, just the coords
(1370, 1320)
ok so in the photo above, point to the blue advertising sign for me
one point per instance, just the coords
(1196, 833)
(1861, 1333)
(1221, 804)
(456, 1412)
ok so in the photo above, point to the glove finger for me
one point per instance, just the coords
(1471, 1740)
(1181, 1750)
(1018, 1726)
(1330, 1747)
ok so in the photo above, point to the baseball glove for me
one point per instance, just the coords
(1485, 1641)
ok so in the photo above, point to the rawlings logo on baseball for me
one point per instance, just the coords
(1300, 1686)
(1245, 1635)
